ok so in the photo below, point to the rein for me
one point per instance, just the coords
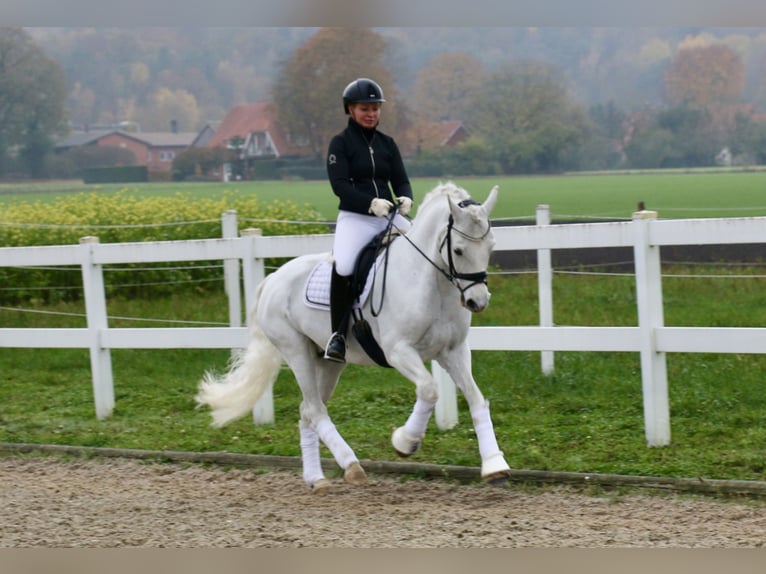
(453, 275)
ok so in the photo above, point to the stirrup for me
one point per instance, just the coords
(336, 348)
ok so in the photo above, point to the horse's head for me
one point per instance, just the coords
(466, 248)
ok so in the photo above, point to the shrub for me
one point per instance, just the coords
(120, 218)
(116, 174)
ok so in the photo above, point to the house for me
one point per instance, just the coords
(155, 150)
(205, 134)
(429, 136)
(254, 129)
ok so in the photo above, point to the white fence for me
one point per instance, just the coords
(644, 233)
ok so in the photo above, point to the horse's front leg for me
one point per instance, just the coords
(407, 439)
(457, 363)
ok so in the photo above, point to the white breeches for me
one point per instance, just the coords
(353, 231)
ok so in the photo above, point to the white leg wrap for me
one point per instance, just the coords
(494, 465)
(333, 441)
(485, 432)
(492, 460)
(416, 424)
(312, 466)
(404, 444)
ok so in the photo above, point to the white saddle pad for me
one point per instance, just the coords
(317, 292)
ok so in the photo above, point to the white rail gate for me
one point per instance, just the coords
(650, 338)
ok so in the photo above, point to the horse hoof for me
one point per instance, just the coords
(321, 487)
(498, 479)
(404, 445)
(355, 474)
(494, 469)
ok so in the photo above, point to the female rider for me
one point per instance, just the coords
(367, 174)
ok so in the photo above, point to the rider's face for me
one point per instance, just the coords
(366, 114)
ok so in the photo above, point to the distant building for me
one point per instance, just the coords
(258, 133)
(428, 136)
(253, 130)
(205, 135)
(155, 150)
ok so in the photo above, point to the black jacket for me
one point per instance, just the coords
(361, 164)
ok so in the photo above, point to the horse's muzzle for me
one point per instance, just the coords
(475, 305)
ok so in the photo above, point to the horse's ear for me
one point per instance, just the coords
(453, 207)
(489, 203)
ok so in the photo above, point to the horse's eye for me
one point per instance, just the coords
(458, 251)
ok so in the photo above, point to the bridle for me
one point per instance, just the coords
(479, 277)
(452, 274)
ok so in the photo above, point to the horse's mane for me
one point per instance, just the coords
(448, 188)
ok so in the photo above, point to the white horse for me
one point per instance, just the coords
(421, 312)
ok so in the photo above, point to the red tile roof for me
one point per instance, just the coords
(424, 135)
(248, 118)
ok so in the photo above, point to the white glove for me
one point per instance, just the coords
(405, 204)
(380, 207)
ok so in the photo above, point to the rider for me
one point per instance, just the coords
(366, 172)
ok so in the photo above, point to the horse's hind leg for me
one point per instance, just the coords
(313, 475)
(317, 379)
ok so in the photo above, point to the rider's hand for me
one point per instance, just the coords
(405, 204)
(380, 207)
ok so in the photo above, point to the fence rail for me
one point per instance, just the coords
(650, 338)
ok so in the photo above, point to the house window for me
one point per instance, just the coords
(167, 155)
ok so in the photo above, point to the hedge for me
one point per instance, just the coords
(121, 217)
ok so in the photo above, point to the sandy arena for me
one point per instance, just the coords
(106, 503)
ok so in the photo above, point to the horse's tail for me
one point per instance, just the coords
(251, 373)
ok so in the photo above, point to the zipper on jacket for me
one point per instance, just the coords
(372, 160)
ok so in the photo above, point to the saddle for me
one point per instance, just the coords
(318, 287)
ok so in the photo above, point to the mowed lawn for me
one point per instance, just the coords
(586, 417)
(671, 194)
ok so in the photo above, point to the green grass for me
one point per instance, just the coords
(672, 194)
(587, 417)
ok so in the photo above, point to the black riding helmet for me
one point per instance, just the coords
(362, 90)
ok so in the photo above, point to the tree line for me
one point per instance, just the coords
(524, 113)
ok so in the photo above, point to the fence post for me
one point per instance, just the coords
(231, 271)
(445, 411)
(654, 377)
(545, 288)
(253, 272)
(253, 269)
(95, 310)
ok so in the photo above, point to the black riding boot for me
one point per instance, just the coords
(340, 311)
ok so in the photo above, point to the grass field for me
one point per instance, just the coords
(672, 194)
(587, 417)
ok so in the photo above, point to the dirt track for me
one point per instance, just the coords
(46, 502)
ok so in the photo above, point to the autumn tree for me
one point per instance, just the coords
(525, 115)
(32, 96)
(443, 86)
(681, 136)
(308, 90)
(166, 106)
(703, 75)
